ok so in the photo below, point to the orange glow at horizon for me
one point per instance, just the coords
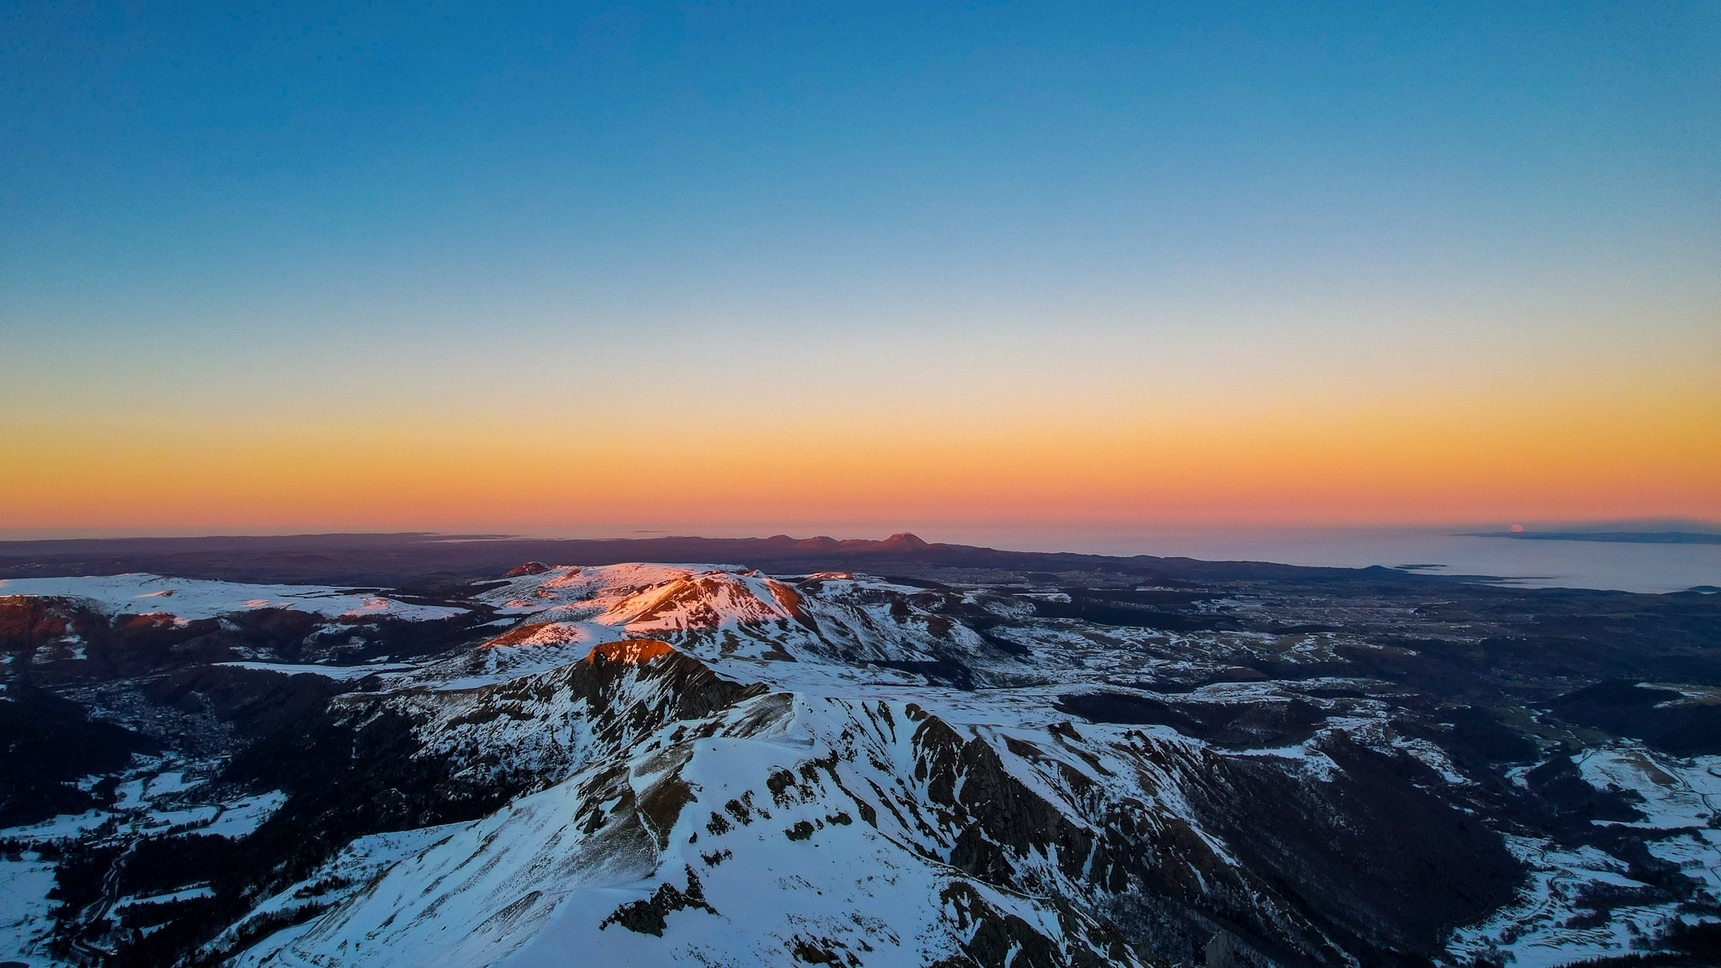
(1653, 454)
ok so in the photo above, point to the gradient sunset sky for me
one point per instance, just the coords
(451, 266)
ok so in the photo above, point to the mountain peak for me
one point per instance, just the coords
(630, 651)
(905, 541)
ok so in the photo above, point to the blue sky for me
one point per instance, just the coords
(183, 144)
(227, 206)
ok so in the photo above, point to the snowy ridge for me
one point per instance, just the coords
(186, 599)
(705, 811)
(714, 612)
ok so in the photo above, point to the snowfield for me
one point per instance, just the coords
(186, 599)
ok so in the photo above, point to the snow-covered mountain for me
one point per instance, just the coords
(649, 764)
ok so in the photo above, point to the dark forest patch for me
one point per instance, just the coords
(947, 672)
(1368, 854)
(256, 701)
(1628, 709)
(1575, 804)
(1241, 725)
(48, 744)
(1100, 611)
(1475, 740)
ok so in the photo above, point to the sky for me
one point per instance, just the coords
(564, 268)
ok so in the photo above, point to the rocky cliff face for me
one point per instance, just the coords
(650, 764)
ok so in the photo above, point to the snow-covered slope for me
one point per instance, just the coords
(717, 613)
(800, 810)
(649, 764)
(185, 599)
(676, 837)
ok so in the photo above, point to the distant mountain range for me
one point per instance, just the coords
(421, 559)
(1628, 537)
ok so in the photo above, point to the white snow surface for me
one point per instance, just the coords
(341, 673)
(1678, 795)
(241, 817)
(534, 884)
(24, 906)
(715, 612)
(187, 599)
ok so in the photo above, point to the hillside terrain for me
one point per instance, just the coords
(400, 750)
